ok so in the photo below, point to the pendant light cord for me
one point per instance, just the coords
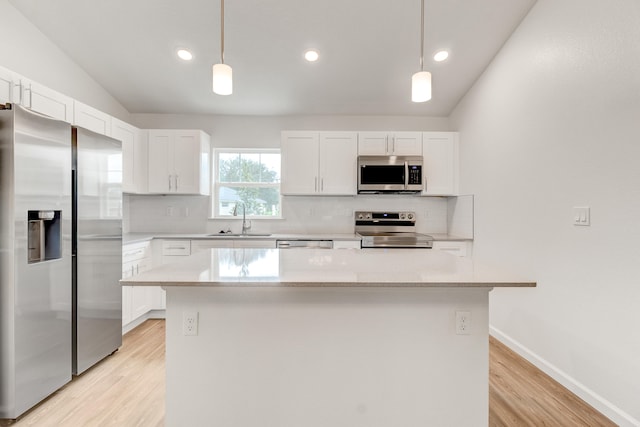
(421, 36)
(222, 31)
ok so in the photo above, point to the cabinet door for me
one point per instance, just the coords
(6, 86)
(160, 161)
(255, 243)
(406, 144)
(186, 162)
(10, 87)
(299, 151)
(140, 301)
(454, 248)
(47, 101)
(126, 304)
(338, 163)
(89, 118)
(131, 158)
(440, 150)
(372, 143)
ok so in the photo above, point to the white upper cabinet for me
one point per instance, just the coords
(178, 162)
(134, 155)
(18, 90)
(89, 118)
(318, 163)
(47, 101)
(338, 165)
(441, 163)
(390, 143)
(10, 87)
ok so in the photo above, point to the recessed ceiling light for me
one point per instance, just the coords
(441, 56)
(311, 55)
(185, 55)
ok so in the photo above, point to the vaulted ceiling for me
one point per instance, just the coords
(368, 51)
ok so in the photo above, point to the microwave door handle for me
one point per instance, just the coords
(406, 175)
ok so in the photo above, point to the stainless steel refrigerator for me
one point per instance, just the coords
(97, 247)
(35, 258)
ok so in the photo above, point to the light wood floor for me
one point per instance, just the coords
(127, 389)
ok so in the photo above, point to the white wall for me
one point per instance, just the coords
(554, 123)
(302, 214)
(28, 52)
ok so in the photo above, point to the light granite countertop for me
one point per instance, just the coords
(227, 267)
(142, 237)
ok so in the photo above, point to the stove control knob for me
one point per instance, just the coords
(360, 216)
(368, 216)
(402, 215)
(409, 216)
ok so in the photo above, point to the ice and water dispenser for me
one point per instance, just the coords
(44, 236)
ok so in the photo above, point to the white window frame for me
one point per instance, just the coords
(216, 184)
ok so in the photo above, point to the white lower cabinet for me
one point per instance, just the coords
(136, 258)
(242, 242)
(346, 244)
(171, 251)
(458, 248)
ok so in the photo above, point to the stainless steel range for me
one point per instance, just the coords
(390, 230)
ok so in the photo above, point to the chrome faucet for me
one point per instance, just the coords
(246, 225)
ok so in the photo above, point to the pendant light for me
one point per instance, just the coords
(222, 74)
(421, 81)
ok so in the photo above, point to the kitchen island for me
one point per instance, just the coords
(327, 337)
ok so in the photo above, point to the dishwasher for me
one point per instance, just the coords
(304, 244)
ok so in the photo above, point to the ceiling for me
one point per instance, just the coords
(368, 51)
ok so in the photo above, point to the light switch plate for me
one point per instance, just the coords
(582, 215)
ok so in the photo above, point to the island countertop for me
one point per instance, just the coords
(248, 267)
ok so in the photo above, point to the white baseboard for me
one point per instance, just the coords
(601, 404)
(153, 314)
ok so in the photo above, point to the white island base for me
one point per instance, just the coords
(327, 357)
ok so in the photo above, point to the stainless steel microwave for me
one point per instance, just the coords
(390, 174)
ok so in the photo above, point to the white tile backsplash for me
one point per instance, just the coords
(312, 215)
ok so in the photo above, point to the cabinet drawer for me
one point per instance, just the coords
(454, 248)
(135, 251)
(176, 247)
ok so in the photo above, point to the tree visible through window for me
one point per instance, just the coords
(250, 178)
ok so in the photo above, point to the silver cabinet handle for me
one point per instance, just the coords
(315, 184)
(176, 182)
(169, 182)
(393, 145)
(321, 184)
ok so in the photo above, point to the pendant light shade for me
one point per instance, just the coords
(222, 79)
(421, 86)
(222, 74)
(421, 81)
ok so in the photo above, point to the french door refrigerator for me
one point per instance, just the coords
(35, 258)
(97, 247)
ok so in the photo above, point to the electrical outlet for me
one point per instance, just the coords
(463, 322)
(190, 323)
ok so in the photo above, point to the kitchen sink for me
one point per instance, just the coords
(239, 235)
